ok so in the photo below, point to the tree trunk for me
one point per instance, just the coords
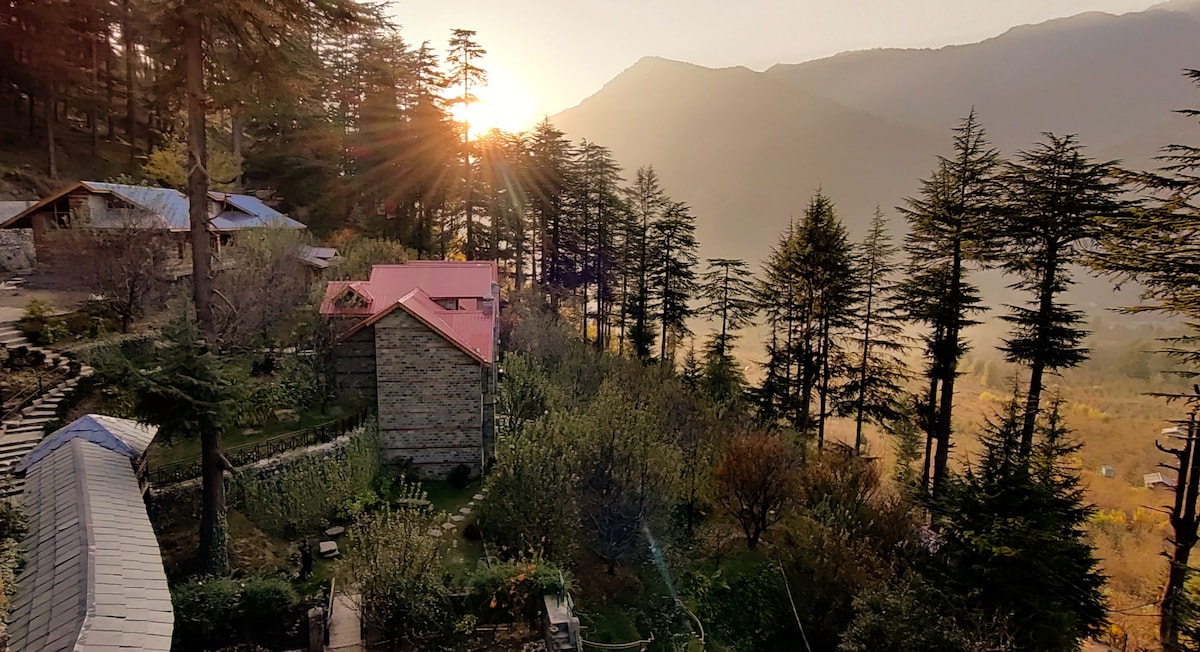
(1037, 370)
(930, 429)
(1184, 526)
(93, 92)
(130, 113)
(51, 158)
(862, 373)
(202, 286)
(235, 133)
(214, 531)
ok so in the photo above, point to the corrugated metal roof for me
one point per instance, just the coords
(93, 579)
(171, 206)
(319, 257)
(123, 436)
(418, 286)
(11, 208)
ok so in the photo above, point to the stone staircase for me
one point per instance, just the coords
(22, 432)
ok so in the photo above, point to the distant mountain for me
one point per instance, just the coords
(747, 149)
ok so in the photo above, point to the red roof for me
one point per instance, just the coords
(420, 288)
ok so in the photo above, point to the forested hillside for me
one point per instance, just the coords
(758, 319)
(746, 148)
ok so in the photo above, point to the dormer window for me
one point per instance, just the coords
(351, 300)
(449, 304)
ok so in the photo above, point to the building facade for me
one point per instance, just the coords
(419, 341)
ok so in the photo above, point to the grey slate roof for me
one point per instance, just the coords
(93, 579)
(120, 435)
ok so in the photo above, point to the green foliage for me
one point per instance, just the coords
(361, 254)
(522, 394)
(512, 590)
(187, 393)
(1012, 543)
(304, 491)
(292, 386)
(628, 470)
(207, 611)
(40, 325)
(217, 611)
(397, 568)
(529, 500)
(909, 614)
(167, 164)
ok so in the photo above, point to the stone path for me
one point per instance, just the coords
(22, 433)
(345, 627)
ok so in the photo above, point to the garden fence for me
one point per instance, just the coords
(247, 454)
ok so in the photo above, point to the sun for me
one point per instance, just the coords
(503, 104)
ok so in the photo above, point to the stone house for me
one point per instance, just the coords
(56, 223)
(420, 340)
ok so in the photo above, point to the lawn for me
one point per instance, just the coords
(160, 453)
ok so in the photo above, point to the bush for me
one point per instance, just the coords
(218, 611)
(300, 494)
(512, 591)
(206, 612)
(266, 603)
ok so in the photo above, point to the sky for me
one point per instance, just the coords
(548, 55)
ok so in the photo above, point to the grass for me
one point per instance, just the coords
(160, 453)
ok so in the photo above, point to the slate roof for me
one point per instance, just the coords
(93, 579)
(417, 287)
(168, 208)
(319, 257)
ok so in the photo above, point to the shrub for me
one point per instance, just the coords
(218, 611)
(206, 612)
(301, 493)
(266, 603)
(511, 591)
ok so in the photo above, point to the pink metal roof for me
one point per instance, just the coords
(416, 287)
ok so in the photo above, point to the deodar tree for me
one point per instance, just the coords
(873, 386)
(1054, 200)
(1155, 244)
(947, 232)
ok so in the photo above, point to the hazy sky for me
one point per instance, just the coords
(547, 55)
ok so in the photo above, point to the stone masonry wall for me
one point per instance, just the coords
(354, 365)
(430, 398)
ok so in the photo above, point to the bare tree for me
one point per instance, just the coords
(757, 480)
(128, 267)
(262, 292)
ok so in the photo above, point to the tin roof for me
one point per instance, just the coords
(93, 579)
(417, 287)
(168, 208)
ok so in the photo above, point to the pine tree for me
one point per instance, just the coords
(728, 291)
(673, 244)
(188, 396)
(1155, 245)
(646, 202)
(549, 152)
(1012, 540)
(870, 394)
(465, 72)
(1055, 200)
(805, 293)
(948, 229)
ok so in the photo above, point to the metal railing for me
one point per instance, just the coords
(247, 454)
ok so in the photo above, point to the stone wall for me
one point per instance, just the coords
(354, 365)
(430, 396)
(17, 253)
